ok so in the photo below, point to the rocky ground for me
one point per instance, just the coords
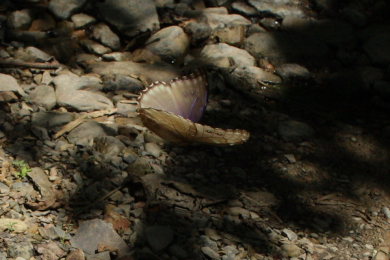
(81, 178)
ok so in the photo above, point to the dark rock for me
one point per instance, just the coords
(159, 237)
(130, 17)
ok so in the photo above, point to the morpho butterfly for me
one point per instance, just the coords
(172, 109)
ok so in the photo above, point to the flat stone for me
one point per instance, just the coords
(50, 250)
(63, 9)
(86, 132)
(26, 189)
(153, 149)
(256, 80)
(94, 234)
(94, 47)
(53, 233)
(9, 83)
(44, 95)
(292, 70)
(21, 249)
(4, 189)
(41, 180)
(291, 250)
(219, 54)
(82, 20)
(122, 82)
(291, 235)
(81, 100)
(37, 54)
(102, 33)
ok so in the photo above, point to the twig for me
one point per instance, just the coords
(33, 65)
(73, 124)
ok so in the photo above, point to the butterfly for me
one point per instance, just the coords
(172, 110)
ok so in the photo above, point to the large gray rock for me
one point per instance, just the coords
(63, 9)
(70, 93)
(220, 54)
(169, 43)
(96, 233)
(131, 17)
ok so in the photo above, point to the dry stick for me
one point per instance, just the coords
(25, 64)
(73, 124)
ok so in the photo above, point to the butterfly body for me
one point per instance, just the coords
(172, 110)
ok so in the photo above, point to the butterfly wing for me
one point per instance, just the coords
(180, 130)
(184, 96)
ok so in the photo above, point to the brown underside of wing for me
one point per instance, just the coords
(176, 129)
